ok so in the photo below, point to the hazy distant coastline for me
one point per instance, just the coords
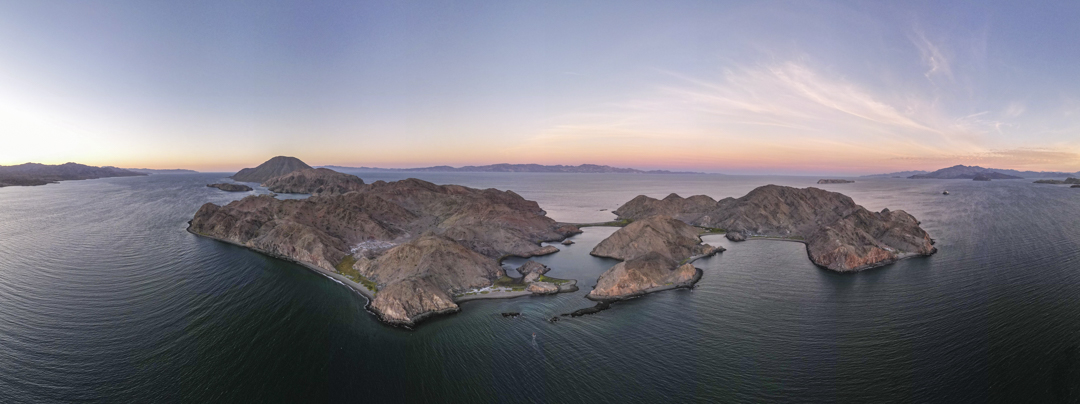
(162, 171)
(516, 168)
(34, 174)
(968, 172)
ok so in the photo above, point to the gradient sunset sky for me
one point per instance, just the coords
(792, 87)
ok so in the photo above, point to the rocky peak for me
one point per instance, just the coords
(275, 167)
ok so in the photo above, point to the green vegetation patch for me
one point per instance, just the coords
(556, 281)
(345, 267)
(711, 230)
(616, 223)
(507, 282)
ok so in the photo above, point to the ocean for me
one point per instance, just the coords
(105, 297)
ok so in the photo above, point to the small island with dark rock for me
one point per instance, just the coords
(227, 187)
(834, 181)
(1067, 181)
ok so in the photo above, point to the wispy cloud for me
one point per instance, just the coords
(932, 56)
(793, 112)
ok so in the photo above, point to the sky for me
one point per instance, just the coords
(757, 87)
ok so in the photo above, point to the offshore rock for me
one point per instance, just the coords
(834, 181)
(532, 270)
(643, 274)
(230, 187)
(840, 235)
(543, 288)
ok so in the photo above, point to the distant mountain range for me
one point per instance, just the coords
(901, 174)
(162, 171)
(516, 168)
(970, 172)
(30, 174)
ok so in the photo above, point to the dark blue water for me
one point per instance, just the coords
(104, 297)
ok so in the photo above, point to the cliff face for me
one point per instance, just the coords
(422, 275)
(464, 230)
(315, 181)
(274, 167)
(652, 250)
(643, 274)
(840, 235)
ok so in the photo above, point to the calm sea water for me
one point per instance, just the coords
(104, 297)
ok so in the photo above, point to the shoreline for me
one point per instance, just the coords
(698, 274)
(370, 297)
(899, 257)
(569, 286)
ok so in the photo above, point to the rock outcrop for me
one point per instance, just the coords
(427, 242)
(274, 167)
(543, 288)
(665, 235)
(532, 270)
(654, 251)
(230, 187)
(643, 274)
(315, 181)
(834, 181)
(840, 235)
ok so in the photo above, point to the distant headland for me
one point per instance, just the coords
(517, 168)
(32, 174)
(962, 172)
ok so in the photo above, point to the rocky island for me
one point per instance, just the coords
(834, 181)
(1070, 180)
(411, 246)
(32, 174)
(230, 187)
(962, 172)
(656, 254)
(839, 234)
(272, 168)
